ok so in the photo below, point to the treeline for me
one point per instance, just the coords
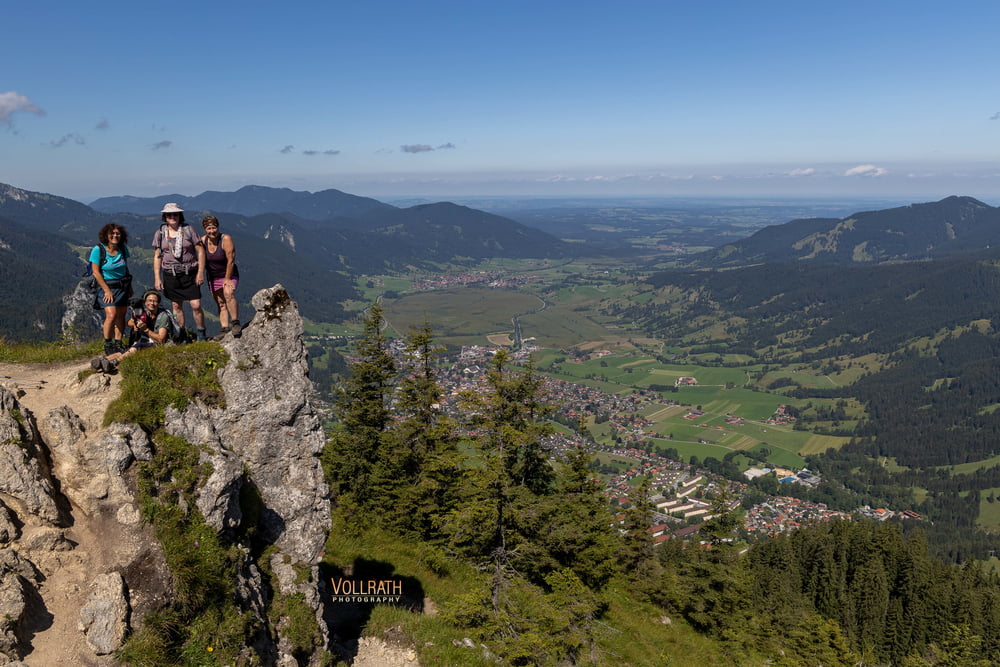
(550, 551)
(894, 604)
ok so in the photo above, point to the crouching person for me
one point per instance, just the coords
(151, 326)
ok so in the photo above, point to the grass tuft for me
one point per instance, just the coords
(162, 376)
(45, 353)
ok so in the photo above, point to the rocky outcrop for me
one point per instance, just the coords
(22, 469)
(80, 321)
(76, 556)
(104, 619)
(270, 437)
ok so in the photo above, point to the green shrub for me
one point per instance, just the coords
(162, 376)
(297, 622)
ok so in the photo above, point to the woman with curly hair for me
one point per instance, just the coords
(109, 266)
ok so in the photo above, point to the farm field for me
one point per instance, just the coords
(466, 316)
(968, 468)
(989, 513)
(718, 395)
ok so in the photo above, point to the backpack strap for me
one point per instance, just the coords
(185, 230)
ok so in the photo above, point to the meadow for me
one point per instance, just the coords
(558, 311)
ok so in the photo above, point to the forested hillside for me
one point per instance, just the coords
(919, 231)
(815, 311)
(35, 267)
(546, 574)
(916, 344)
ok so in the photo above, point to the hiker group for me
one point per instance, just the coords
(183, 260)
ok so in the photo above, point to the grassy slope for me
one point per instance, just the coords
(632, 632)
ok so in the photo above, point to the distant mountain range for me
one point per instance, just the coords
(948, 227)
(251, 200)
(358, 234)
(316, 244)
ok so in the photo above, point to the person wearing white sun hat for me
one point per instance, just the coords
(179, 265)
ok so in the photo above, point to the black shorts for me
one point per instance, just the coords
(181, 286)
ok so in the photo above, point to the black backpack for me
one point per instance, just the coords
(89, 271)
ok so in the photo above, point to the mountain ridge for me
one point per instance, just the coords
(250, 200)
(952, 225)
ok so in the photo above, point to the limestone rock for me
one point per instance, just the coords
(22, 472)
(272, 426)
(268, 428)
(17, 586)
(104, 618)
(268, 437)
(92, 475)
(9, 529)
(80, 321)
(13, 603)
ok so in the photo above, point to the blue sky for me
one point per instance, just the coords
(433, 98)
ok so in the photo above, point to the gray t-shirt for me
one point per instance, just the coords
(177, 250)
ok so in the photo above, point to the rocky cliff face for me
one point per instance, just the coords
(80, 321)
(79, 568)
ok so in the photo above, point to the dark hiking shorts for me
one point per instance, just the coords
(181, 287)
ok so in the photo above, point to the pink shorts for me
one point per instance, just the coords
(217, 283)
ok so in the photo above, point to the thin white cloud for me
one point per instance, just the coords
(415, 148)
(809, 171)
(447, 146)
(287, 149)
(866, 170)
(166, 143)
(13, 101)
(315, 152)
(68, 138)
(103, 125)
(331, 152)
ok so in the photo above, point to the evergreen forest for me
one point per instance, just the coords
(550, 564)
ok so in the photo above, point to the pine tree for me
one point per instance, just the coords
(571, 528)
(429, 464)
(637, 554)
(515, 468)
(363, 409)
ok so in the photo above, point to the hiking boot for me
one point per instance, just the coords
(222, 334)
(237, 329)
(119, 346)
(108, 366)
(95, 363)
(109, 347)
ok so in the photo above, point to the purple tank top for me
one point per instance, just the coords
(215, 262)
